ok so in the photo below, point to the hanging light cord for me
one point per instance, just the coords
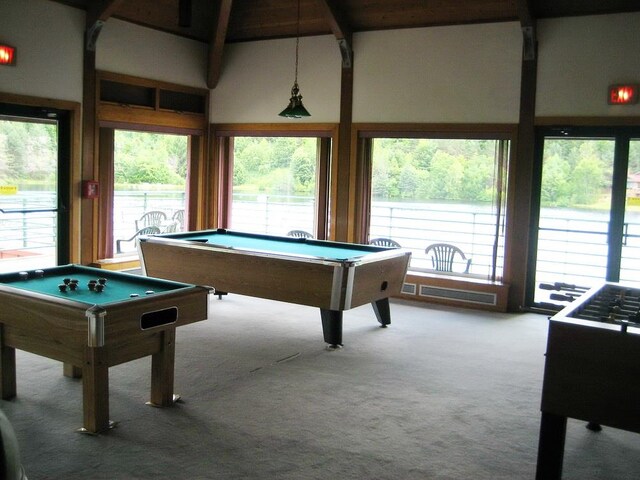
(297, 41)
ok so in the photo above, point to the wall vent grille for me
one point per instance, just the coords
(467, 296)
(409, 288)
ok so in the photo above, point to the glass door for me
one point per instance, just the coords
(630, 252)
(588, 225)
(31, 208)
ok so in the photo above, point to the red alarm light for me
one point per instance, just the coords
(623, 94)
(7, 55)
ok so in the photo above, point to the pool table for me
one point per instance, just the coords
(91, 330)
(329, 275)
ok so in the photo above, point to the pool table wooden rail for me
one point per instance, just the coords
(310, 281)
(331, 285)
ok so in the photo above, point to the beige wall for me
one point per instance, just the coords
(256, 80)
(459, 74)
(580, 57)
(48, 38)
(142, 52)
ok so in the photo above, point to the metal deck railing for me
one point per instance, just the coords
(571, 248)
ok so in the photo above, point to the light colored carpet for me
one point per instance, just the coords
(442, 393)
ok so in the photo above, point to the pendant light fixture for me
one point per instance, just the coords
(295, 109)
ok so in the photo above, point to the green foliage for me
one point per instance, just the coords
(274, 165)
(303, 170)
(555, 190)
(28, 152)
(576, 172)
(634, 156)
(428, 169)
(150, 158)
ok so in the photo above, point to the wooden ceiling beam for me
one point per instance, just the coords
(341, 30)
(528, 25)
(219, 28)
(97, 14)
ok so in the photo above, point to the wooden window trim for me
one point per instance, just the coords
(76, 203)
(222, 153)
(363, 133)
(153, 118)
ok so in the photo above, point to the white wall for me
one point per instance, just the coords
(142, 52)
(443, 74)
(458, 74)
(256, 80)
(49, 41)
(580, 57)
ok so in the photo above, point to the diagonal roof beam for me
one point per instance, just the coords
(528, 25)
(340, 28)
(97, 14)
(216, 43)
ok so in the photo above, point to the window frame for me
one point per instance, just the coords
(156, 117)
(221, 196)
(366, 133)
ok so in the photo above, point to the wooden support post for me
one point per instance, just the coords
(521, 173)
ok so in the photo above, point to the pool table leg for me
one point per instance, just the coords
(162, 371)
(7, 369)
(383, 313)
(332, 327)
(71, 371)
(95, 391)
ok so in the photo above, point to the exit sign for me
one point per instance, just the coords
(623, 94)
(7, 55)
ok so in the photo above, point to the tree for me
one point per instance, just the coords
(150, 158)
(587, 181)
(408, 182)
(477, 179)
(423, 154)
(555, 186)
(382, 183)
(303, 170)
(445, 177)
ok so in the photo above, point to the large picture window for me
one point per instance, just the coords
(451, 191)
(149, 191)
(274, 180)
(274, 185)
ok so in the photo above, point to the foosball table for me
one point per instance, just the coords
(592, 369)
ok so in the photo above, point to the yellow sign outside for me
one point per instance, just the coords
(8, 190)
(633, 201)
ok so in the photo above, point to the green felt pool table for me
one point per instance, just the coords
(332, 276)
(90, 330)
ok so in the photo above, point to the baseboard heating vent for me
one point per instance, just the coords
(409, 288)
(459, 295)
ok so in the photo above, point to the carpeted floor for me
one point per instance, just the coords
(442, 393)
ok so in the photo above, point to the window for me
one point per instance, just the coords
(150, 173)
(273, 180)
(587, 221)
(433, 190)
(274, 184)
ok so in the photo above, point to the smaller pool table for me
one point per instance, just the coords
(332, 276)
(133, 316)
